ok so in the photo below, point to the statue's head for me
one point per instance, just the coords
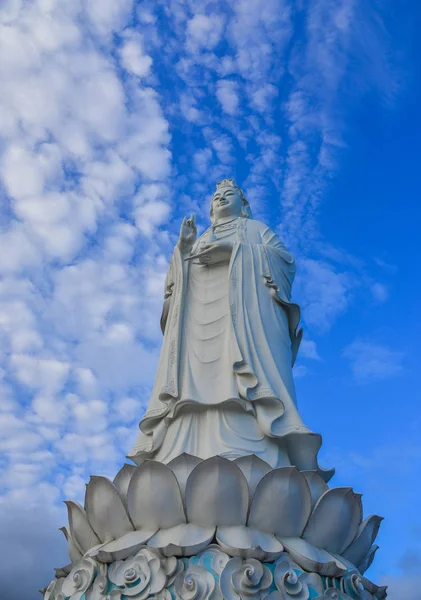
(229, 200)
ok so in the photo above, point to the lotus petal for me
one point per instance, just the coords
(316, 484)
(254, 469)
(313, 559)
(122, 548)
(63, 571)
(122, 480)
(335, 520)
(81, 532)
(105, 509)
(74, 552)
(281, 503)
(184, 534)
(360, 547)
(154, 498)
(379, 591)
(344, 561)
(172, 551)
(53, 590)
(217, 494)
(184, 539)
(182, 466)
(246, 542)
(366, 563)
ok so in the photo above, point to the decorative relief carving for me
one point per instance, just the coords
(196, 583)
(139, 577)
(79, 579)
(248, 578)
(210, 575)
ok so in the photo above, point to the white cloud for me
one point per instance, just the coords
(300, 371)
(10, 10)
(24, 475)
(108, 16)
(308, 349)
(19, 324)
(259, 31)
(78, 140)
(22, 172)
(189, 108)
(126, 409)
(204, 31)
(151, 207)
(90, 416)
(150, 215)
(46, 374)
(122, 365)
(102, 136)
(202, 160)
(74, 487)
(17, 249)
(344, 48)
(50, 410)
(385, 265)
(222, 145)
(16, 436)
(86, 381)
(324, 293)
(380, 292)
(132, 55)
(90, 449)
(144, 144)
(371, 361)
(262, 99)
(227, 94)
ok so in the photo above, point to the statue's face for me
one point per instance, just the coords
(226, 202)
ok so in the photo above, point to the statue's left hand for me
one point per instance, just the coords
(213, 253)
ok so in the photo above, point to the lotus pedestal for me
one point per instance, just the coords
(214, 529)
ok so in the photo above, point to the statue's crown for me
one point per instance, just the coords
(227, 183)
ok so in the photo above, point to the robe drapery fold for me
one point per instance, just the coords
(224, 382)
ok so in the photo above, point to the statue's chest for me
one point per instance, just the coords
(234, 231)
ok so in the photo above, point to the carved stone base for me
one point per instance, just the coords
(210, 575)
(217, 529)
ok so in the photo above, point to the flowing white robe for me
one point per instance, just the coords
(224, 383)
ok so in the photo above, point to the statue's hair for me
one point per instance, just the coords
(245, 210)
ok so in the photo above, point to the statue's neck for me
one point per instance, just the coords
(224, 220)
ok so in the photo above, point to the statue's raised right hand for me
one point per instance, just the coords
(188, 233)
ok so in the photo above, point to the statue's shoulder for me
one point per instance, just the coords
(257, 226)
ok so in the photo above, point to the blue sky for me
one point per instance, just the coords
(117, 119)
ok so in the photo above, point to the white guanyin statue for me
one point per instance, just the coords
(224, 384)
(227, 500)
